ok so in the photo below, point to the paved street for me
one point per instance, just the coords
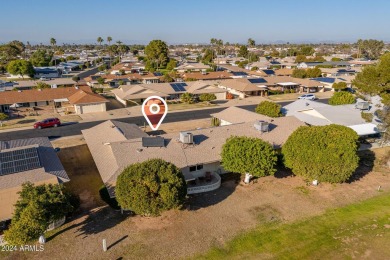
(75, 128)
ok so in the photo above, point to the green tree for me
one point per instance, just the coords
(339, 86)
(208, 56)
(151, 187)
(187, 98)
(41, 85)
(100, 80)
(207, 97)
(2, 118)
(100, 40)
(171, 64)
(323, 153)
(41, 58)
(371, 48)
(21, 67)
(53, 42)
(269, 108)
(374, 80)
(313, 73)
(102, 67)
(76, 79)
(109, 39)
(299, 73)
(36, 208)
(336, 59)
(306, 50)
(243, 52)
(157, 52)
(300, 58)
(342, 98)
(249, 155)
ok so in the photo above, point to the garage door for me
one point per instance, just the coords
(92, 108)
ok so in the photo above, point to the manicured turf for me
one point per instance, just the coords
(355, 231)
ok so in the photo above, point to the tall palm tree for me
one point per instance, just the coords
(53, 43)
(100, 40)
(251, 43)
(109, 39)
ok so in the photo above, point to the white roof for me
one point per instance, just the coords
(365, 129)
(287, 83)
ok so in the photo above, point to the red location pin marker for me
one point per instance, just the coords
(154, 109)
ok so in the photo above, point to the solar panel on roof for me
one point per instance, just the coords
(269, 72)
(239, 73)
(157, 74)
(157, 141)
(257, 80)
(177, 87)
(19, 160)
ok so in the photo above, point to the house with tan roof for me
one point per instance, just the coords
(236, 115)
(192, 66)
(196, 152)
(26, 160)
(79, 100)
(214, 75)
(136, 94)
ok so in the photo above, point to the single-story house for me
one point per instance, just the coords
(54, 83)
(192, 66)
(79, 100)
(236, 115)
(136, 94)
(115, 145)
(243, 87)
(214, 75)
(26, 160)
(316, 113)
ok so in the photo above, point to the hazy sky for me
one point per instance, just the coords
(194, 21)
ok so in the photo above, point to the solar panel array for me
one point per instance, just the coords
(239, 73)
(19, 161)
(177, 87)
(157, 74)
(257, 80)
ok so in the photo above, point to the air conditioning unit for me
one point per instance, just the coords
(262, 126)
(186, 138)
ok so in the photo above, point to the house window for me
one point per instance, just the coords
(196, 168)
(36, 104)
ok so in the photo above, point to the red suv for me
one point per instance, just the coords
(48, 122)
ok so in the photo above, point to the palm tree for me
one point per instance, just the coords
(53, 42)
(119, 42)
(251, 43)
(109, 39)
(100, 40)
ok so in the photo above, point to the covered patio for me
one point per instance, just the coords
(208, 182)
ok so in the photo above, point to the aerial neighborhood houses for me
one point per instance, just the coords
(79, 100)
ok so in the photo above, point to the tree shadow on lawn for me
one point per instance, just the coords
(229, 183)
(100, 220)
(366, 165)
(96, 221)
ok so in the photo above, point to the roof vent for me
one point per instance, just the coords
(186, 138)
(76, 87)
(39, 89)
(106, 143)
(19, 91)
(139, 150)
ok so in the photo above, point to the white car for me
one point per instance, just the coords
(308, 96)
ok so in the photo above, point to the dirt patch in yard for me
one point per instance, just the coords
(84, 176)
(211, 219)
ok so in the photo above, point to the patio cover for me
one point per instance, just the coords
(365, 129)
(61, 100)
(189, 176)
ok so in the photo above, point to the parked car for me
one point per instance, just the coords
(308, 96)
(48, 122)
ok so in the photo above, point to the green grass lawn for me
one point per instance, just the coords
(356, 231)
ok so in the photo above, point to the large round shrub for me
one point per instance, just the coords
(249, 155)
(342, 98)
(151, 187)
(324, 153)
(268, 108)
